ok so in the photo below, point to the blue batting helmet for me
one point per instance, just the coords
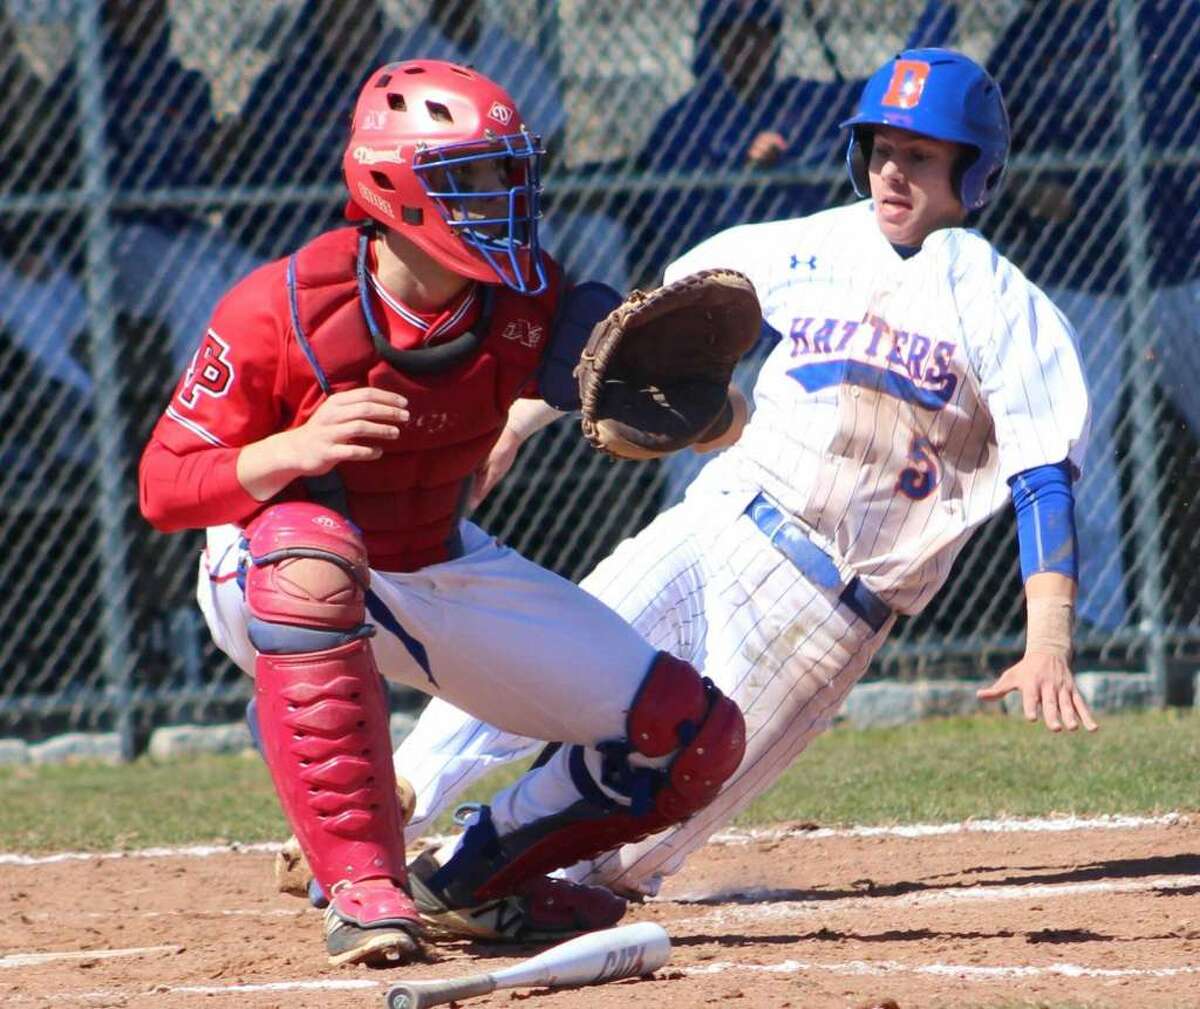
(942, 94)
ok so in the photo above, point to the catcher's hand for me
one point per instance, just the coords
(654, 375)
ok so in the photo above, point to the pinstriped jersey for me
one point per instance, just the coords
(904, 394)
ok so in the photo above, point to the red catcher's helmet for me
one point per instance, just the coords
(419, 132)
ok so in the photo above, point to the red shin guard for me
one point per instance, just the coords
(324, 726)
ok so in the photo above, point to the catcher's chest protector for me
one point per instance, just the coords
(408, 502)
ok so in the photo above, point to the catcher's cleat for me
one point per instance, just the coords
(541, 909)
(373, 923)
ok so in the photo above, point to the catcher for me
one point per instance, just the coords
(328, 434)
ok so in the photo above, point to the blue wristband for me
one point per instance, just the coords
(1045, 507)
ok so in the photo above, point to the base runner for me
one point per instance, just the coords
(921, 383)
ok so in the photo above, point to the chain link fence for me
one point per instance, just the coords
(154, 151)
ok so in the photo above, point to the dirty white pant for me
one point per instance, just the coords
(490, 633)
(703, 582)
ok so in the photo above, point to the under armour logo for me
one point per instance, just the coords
(811, 262)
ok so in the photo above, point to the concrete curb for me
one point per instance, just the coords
(869, 705)
(886, 704)
(13, 751)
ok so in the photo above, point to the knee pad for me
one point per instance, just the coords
(308, 568)
(676, 710)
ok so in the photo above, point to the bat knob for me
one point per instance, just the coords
(401, 998)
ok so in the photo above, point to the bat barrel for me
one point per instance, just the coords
(594, 958)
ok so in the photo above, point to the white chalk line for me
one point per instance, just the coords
(267, 986)
(1055, 824)
(966, 972)
(187, 851)
(850, 968)
(790, 909)
(1035, 825)
(37, 959)
(192, 914)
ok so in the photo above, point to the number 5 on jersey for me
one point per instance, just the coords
(211, 371)
(921, 478)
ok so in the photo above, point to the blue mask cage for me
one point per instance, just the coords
(499, 239)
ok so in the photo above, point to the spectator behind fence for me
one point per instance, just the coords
(168, 266)
(41, 302)
(171, 265)
(1069, 229)
(292, 128)
(588, 244)
(740, 114)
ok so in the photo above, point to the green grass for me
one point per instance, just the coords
(954, 768)
(98, 807)
(929, 772)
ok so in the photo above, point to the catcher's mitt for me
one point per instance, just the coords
(654, 375)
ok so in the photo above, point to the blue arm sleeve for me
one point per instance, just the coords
(1045, 507)
(579, 309)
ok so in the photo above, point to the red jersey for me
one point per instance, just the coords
(295, 331)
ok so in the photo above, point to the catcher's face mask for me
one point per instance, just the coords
(439, 153)
(489, 195)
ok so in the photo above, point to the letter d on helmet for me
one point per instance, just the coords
(942, 94)
(421, 132)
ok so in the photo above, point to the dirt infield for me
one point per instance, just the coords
(1085, 917)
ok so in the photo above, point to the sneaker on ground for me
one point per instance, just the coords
(374, 923)
(542, 910)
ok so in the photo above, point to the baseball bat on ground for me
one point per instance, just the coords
(607, 955)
